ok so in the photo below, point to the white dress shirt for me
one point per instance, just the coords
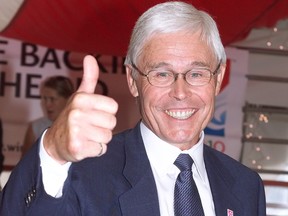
(161, 156)
(53, 173)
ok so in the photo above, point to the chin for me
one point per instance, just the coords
(51, 118)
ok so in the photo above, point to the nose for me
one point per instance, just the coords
(48, 103)
(180, 89)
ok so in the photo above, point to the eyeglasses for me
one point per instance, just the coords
(195, 77)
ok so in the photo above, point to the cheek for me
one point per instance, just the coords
(208, 98)
(210, 103)
(145, 90)
(150, 97)
(145, 96)
(61, 104)
(42, 104)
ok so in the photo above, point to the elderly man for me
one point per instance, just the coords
(175, 65)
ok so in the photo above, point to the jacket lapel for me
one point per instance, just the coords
(221, 183)
(142, 198)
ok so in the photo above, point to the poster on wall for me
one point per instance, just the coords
(23, 66)
(224, 132)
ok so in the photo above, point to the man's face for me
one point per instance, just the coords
(179, 112)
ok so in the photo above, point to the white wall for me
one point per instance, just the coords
(266, 92)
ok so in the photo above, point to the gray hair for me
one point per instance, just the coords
(173, 17)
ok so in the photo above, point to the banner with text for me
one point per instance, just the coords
(23, 66)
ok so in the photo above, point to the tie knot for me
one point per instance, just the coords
(184, 162)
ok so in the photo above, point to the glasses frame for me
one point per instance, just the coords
(212, 73)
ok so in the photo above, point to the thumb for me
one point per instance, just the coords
(90, 75)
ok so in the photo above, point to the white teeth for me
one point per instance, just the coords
(180, 114)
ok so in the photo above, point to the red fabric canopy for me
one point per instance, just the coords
(104, 26)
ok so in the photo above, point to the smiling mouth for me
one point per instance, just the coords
(180, 114)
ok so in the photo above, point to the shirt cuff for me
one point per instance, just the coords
(53, 173)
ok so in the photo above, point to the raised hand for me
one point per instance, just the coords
(85, 125)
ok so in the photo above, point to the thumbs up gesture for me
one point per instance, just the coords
(85, 126)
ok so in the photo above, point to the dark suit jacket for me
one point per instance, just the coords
(121, 183)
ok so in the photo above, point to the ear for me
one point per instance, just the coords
(219, 78)
(131, 82)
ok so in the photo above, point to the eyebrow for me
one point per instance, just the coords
(157, 65)
(200, 63)
(165, 64)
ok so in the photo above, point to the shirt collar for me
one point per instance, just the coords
(162, 155)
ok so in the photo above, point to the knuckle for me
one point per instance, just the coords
(112, 121)
(79, 99)
(74, 116)
(108, 135)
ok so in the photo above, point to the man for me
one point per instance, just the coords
(175, 65)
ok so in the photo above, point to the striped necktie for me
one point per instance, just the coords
(187, 201)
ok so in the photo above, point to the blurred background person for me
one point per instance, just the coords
(54, 93)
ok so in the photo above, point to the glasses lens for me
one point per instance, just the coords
(198, 77)
(161, 78)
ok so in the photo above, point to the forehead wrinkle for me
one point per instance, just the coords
(174, 56)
